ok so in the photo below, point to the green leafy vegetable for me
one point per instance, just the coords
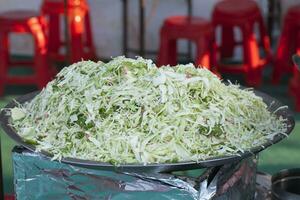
(130, 111)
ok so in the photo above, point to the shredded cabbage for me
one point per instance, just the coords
(130, 111)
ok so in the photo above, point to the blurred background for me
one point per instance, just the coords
(107, 21)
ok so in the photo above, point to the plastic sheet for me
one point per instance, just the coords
(37, 177)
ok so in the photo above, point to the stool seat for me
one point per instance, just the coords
(293, 15)
(196, 29)
(58, 6)
(236, 8)
(187, 27)
(294, 11)
(187, 23)
(18, 15)
(69, 2)
(16, 19)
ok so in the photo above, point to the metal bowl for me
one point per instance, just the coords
(161, 167)
(286, 184)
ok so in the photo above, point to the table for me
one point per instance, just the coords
(58, 179)
(142, 29)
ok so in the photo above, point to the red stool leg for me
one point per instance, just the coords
(45, 27)
(203, 53)
(298, 43)
(77, 29)
(294, 88)
(213, 55)
(298, 104)
(4, 58)
(89, 38)
(172, 55)
(251, 57)
(294, 82)
(283, 53)
(168, 52)
(54, 34)
(228, 42)
(40, 61)
(265, 40)
(168, 49)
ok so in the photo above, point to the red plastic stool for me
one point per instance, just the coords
(195, 29)
(9, 197)
(289, 44)
(23, 22)
(294, 87)
(243, 14)
(80, 33)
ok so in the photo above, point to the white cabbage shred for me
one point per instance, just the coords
(130, 111)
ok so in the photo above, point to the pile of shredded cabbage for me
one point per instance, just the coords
(130, 111)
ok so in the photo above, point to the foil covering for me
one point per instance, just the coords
(37, 177)
(263, 186)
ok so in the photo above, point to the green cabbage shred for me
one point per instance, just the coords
(130, 111)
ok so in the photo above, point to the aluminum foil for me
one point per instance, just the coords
(263, 186)
(37, 177)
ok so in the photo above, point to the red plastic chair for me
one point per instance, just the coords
(289, 44)
(243, 14)
(194, 29)
(23, 22)
(80, 32)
